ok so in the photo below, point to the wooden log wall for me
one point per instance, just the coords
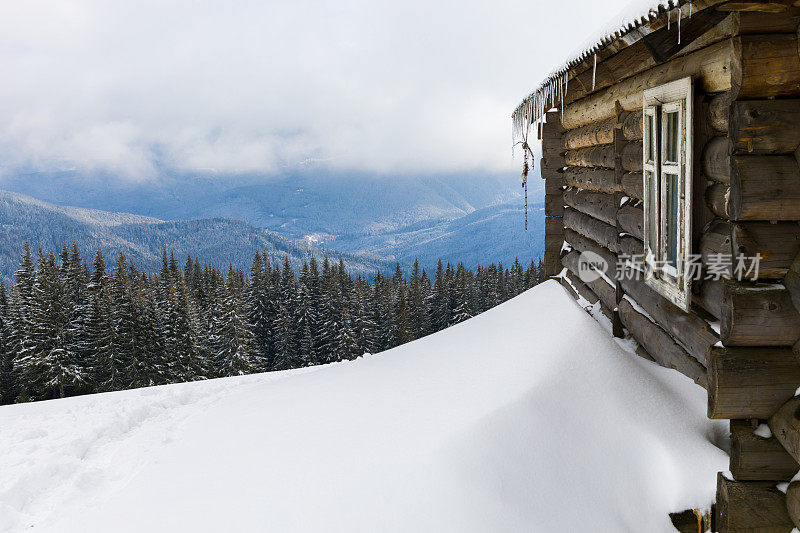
(737, 339)
(551, 134)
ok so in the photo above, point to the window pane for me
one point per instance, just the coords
(652, 209)
(650, 126)
(671, 219)
(672, 137)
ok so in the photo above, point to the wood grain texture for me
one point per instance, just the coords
(748, 382)
(751, 507)
(756, 458)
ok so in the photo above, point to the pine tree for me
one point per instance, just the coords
(286, 346)
(235, 350)
(419, 316)
(8, 372)
(48, 366)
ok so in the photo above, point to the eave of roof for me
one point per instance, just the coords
(627, 27)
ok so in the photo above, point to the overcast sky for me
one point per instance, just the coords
(237, 85)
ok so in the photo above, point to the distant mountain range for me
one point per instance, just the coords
(217, 240)
(376, 220)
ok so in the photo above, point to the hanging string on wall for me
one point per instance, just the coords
(524, 179)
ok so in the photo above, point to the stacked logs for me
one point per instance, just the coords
(737, 340)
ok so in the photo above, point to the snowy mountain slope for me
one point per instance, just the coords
(494, 233)
(388, 217)
(141, 239)
(506, 422)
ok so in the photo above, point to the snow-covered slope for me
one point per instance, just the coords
(526, 418)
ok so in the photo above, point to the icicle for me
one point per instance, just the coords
(669, 19)
(594, 71)
(679, 25)
(690, 8)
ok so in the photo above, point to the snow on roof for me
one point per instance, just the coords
(528, 417)
(635, 15)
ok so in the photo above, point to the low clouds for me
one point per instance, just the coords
(240, 86)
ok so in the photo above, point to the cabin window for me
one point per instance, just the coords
(667, 175)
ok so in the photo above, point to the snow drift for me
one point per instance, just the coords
(526, 418)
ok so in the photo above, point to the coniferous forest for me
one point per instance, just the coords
(68, 328)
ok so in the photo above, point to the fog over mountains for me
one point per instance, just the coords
(373, 221)
(141, 239)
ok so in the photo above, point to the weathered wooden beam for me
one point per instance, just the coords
(579, 289)
(765, 126)
(694, 333)
(757, 458)
(755, 22)
(719, 111)
(603, 180)
(792, 281)
(633, 185)
(554, 204)
(785, 426)
(555, 163)
(763, 6)
(601, 232)
(710, 296)
(603, 156)
(600, 287)
(590, 135)
(552, 254)
(710, 66)
(752, 314)
(793, 502)
(554, 183)
(718, 199)
(595, 156)
(757, 187)
(777, 244)
(585, 244)
(591, 179)
(596, 204)
(553, 226)
(666, 43)
(770, 66)
(660, 344)
(716, 160)
(631, 220)
(603, 132)
(751, 506)
(750, 382)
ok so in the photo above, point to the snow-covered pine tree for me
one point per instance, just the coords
(402, 327)
(8, 374)
(419, 317)
(363, 316)
(346, 346)
(235, 351)
(286, 346)
(260, 309)
(440, 300)
(307, 317)
(183, 345)
(463, 305)
(99, 340)
(49, 368)
(124, 320)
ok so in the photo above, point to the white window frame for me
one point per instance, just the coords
(671, 281)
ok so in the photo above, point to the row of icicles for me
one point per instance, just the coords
(551, 94)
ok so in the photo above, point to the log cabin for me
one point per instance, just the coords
(674, 138)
